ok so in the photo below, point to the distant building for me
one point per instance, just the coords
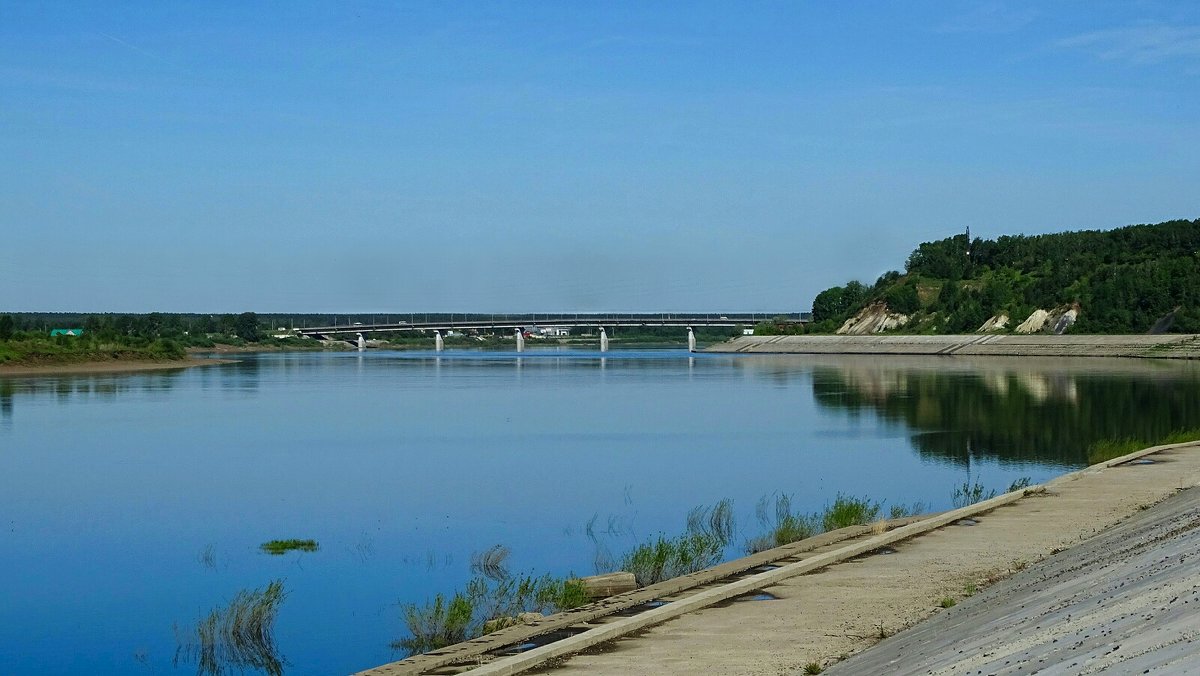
(66, 332)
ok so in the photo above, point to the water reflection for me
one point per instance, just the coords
(78, 388)
(237, 637)
(6, 403)
(406, 463)
(1010, 410)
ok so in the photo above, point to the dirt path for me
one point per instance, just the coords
(1127, 601)
(846, 608)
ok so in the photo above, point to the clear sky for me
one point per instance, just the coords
(525, 156)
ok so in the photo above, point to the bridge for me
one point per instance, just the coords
(520, 323)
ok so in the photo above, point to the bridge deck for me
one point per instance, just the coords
(512, 322)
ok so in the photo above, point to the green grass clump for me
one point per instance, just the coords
(849, 511)
(782, 524)
(901, 511)
(485, 605)
(813, 668)
(948, 602)
(1019, 484)
(1105, 450)
(665, 558)
(969, 494)
(1108, 449)
(281, 547)
(238, 636)
(709, 531)
(438, 624)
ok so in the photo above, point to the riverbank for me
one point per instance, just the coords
(110, 366)
(831, 599)
(1166, 346)
(844, 609)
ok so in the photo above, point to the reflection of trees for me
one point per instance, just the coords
(1012, 414)
(6, 401)
(73, 388)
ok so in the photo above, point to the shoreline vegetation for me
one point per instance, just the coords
(38, 343)
(495, 598)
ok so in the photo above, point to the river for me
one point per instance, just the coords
(133, 504)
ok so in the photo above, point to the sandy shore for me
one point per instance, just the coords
(846, 608)
(113, 366)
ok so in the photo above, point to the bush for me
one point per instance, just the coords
(165, 348)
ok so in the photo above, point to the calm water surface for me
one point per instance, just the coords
(131, 505)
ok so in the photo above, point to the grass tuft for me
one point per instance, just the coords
(238, 636)
(665, 558)
(969, 494)
(849, 511)
(782, 524)
(485, 605)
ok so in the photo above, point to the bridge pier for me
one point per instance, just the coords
(438, 343)
(603, 340)
(520, 340)
(691, 340)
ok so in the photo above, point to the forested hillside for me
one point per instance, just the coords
(1129, 280)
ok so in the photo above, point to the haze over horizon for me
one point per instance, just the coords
(363, 157)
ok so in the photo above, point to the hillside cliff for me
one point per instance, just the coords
(1135, 279)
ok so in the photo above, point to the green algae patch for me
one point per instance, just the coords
(281, 547)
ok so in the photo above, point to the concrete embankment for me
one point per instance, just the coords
(1172, 346)
(1125, 602)
(842, 609)
(838, 594)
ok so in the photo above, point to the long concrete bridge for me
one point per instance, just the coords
(520, 323)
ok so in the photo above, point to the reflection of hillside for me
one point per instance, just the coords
(1011, 410)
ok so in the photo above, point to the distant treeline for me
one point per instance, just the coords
(204, 330)
(1129, 280)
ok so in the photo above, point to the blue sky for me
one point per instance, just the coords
(566, 156)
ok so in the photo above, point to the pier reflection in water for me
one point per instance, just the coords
(135, 504)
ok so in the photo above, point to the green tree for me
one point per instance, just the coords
(246, 327)
(6, 327)
(839, 302)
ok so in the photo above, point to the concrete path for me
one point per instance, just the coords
(1125, 602)
(1167, 346)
